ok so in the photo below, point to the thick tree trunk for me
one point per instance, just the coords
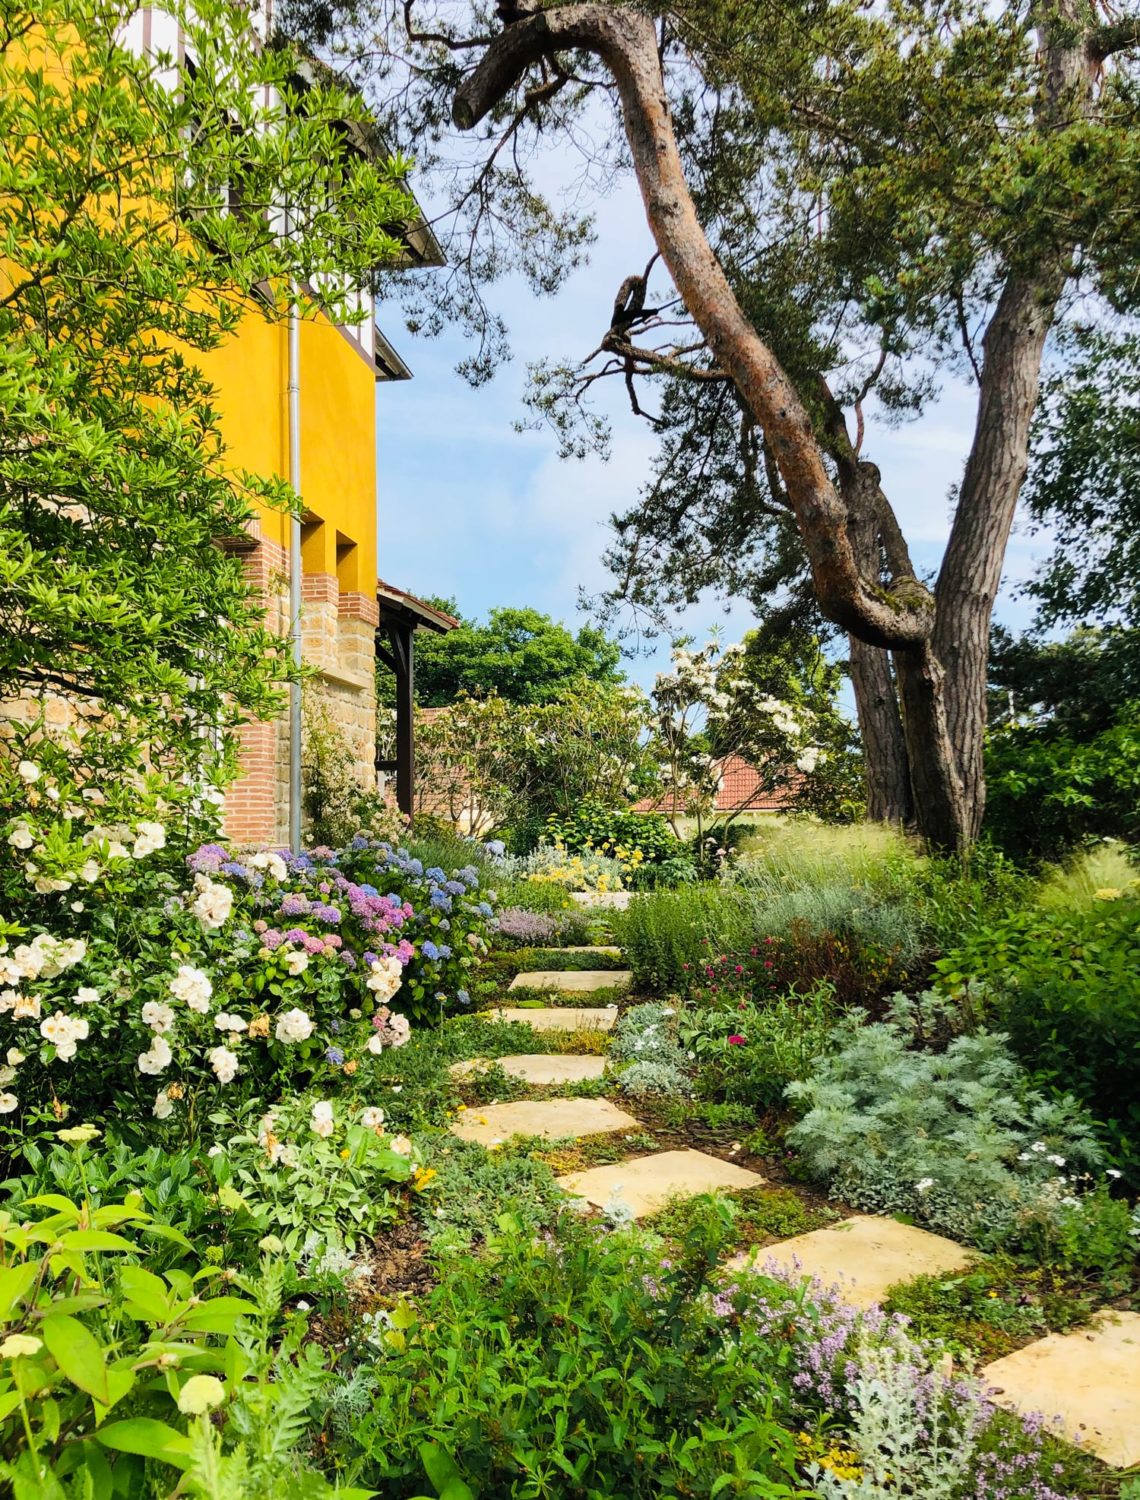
(886, 767)
(971, 570)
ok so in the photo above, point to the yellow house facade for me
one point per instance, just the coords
(339, 373)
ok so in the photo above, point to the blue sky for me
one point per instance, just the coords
(473, 509)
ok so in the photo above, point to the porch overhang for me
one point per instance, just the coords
(401, 615)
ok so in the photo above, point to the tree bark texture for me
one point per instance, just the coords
(926, 744)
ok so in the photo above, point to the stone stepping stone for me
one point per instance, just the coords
(1090, 1379)
(609, 949)
(538, 1067)
(863, 1257)
(645, 1183)
(617, 900)
(550, 1118)
(571, 979)
(561, 1017)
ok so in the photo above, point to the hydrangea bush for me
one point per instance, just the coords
(144, 984)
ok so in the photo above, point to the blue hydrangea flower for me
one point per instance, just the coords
(455, 887)
(485, 909)
(335, 1056)
(444, 951)
(441, 900)
(429, 950)
(463, 997)
(496, 847)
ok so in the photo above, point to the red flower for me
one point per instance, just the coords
(767, 963)
(736, 1041)
(740, 968)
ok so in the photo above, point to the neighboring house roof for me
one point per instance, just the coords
(740, 789)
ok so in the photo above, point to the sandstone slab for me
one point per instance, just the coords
(561, 1017)
(609, 949)
(863, 1257)
(615, 900)
(570, 979)
(538, 1067)
(645, 1183)
(550, 1118)
(1089, 1379)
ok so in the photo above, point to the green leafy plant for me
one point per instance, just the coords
(750, 1053)
(959, 1138)
(1064, 985)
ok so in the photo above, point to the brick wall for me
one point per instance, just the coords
(337, 637)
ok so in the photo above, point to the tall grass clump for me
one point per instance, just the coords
(1075, 884)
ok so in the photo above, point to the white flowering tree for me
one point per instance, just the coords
(709, 708)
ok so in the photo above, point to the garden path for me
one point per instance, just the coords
(1087, 1380)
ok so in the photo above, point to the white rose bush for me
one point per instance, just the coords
(165, 986)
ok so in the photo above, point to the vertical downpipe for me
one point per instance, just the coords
(295, 572)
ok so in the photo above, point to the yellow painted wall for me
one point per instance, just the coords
(338, 435)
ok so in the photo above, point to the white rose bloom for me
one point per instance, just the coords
(149, 837)
(213, 904)
(89, 871)
(372, 1118)
(163, 1105)
(158, 1056)
(226, 1022)
(15, 1057)
(27, 1007)
(193, 987)
(400, 1145)
(271, 863)
(21, 837)
(8, 999)
(58, 1029)
(322, 1122)
(224, 1063)
(375, 1045)
(28, 771)
(6, 1075)
(29, 959)
(401, 1029)
(294, 1026)
(85, 995)
(296, 963)
(157, 1016)
(8, 1102)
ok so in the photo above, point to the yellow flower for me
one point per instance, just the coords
(19, 1343)
(423, 1176)
(200, 1394)
(1107, 893)
(345, 1154)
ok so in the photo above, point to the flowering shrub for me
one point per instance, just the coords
(957, 1139)
(555, 865)
(155, 989)
(642, 843)
(909, 1427)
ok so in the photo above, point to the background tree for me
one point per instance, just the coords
(847, 202)
(116, 496)
(520, 654)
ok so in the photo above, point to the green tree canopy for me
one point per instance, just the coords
(849, 204)
(124, 259)
(522, 655)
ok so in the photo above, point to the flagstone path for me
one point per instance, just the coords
(541, 1068)
(863, 1257)
(553, 1119)
(560, 1017)
(571, 980)
(1088, 1380)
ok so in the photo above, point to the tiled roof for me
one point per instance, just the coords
(740, 790)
